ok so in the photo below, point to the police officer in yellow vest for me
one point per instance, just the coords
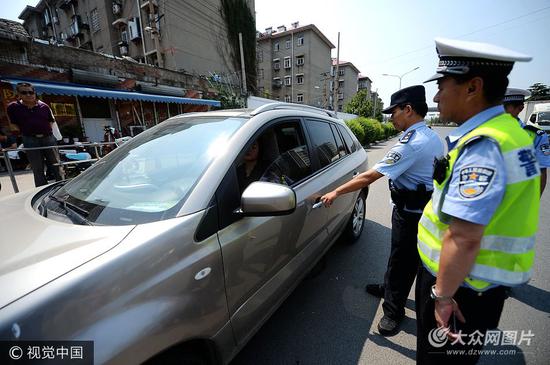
(513, 104)
(472, 242)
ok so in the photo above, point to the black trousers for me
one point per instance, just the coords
(402, 263)
(41, 158)
(481, 310)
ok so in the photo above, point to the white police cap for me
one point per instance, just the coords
(513, 95)
(458, 57)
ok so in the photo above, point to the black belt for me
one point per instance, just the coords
(39, 135)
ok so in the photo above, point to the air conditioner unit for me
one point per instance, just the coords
(134, 32)
(117, 9)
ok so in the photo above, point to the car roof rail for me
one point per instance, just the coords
(280, 105)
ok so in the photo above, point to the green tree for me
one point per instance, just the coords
(362, 105)
(539, 91)
(239, 19)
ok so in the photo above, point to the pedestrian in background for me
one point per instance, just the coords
(476, 236)
(409, 167)
(513, 104)
(34, 119)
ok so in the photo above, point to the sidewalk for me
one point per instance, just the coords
(25, 181)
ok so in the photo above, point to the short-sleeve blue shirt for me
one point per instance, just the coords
(542, 148)
(410, 161)
(482, 162)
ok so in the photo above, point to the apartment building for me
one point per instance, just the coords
(294, 65)
(179, 35)
(364, 82)
(347, 82)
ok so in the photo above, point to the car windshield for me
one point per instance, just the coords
(148, 178)
(544, 117)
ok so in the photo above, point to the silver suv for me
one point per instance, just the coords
(175, 246)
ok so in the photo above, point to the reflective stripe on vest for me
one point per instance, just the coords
(506, 252)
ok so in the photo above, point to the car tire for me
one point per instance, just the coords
(356, 222)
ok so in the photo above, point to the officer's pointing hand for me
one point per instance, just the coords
(328, 198)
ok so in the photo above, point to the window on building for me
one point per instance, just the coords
(276, 65)
(261, 73)
(287, 62)
(300, 60)
(276, 47)
(288, 80)
(47, 18)
(287, 44)
(300, 98)
(260, 55)
(288, 99)
(341, 72)
(300, 79)
(300, 41)
(94, 16)
(340, 107)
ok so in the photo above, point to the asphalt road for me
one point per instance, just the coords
(329, 319)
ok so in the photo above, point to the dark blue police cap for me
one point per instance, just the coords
(409, 95)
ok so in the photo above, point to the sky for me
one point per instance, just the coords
(396, 36)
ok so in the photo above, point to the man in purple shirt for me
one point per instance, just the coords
(34, 119)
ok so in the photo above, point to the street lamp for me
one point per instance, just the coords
(401, 76)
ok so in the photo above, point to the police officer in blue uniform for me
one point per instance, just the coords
(513, 104)
(472, 80)
(409, 167)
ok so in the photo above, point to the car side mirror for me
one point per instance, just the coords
(267, 199)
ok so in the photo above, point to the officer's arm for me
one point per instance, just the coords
(359, 182)
(461, 244)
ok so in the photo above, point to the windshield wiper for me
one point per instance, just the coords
(77, 214)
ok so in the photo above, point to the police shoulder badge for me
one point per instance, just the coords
(392, 157)
(545, 149)
(474, 181)
(407, 137)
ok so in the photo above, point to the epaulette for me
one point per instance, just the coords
(407, 137)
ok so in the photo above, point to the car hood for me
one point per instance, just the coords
(35, 250)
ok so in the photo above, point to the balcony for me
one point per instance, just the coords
(67, 4)
(145, 5)
(120, 23)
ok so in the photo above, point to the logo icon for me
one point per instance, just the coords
(16, 352)
(474, 181)
(438, 337)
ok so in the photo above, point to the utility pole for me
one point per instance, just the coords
(335, 82)
(142, 30)
(155, 33)
(242, 65)
(375, 103)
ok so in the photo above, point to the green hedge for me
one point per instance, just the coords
(357, 129)
(371, 130)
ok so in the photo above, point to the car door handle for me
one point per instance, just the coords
(317, 205)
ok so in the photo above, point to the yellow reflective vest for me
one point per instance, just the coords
(507, 251)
